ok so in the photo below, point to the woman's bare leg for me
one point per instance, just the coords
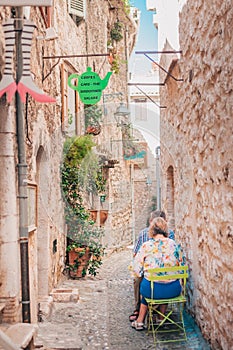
(142, 313)
(162, 309)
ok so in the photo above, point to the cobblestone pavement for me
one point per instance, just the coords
(99, 320)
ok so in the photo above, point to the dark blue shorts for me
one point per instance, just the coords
(161, 290)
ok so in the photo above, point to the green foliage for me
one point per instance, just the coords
(95, 250)
(70, 117)
(115, 66)
(116, 31)
(75, 150)
(88, 238)
(100, 182)
(93, 115)
(87, 173)
(81, 173)
(126, 4)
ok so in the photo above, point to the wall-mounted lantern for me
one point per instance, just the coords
(121, 114)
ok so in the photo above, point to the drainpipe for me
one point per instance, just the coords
(157, 153)
(22, 177)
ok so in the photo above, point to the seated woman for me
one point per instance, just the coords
(158, 251)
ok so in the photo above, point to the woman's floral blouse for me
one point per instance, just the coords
(157, 252)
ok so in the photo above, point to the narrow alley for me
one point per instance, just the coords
(109, 110)
(99, 320)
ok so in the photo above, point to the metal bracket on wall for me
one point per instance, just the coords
(50, 71)
(151, 99)
(66, 56)
(146, 54)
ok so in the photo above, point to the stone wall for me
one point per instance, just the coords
(197, 129)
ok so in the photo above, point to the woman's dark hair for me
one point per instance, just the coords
(158, 214)
(162, 215)
(159, 231)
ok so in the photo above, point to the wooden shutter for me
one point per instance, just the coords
(64, 95)
(68, 100)
(46, 14)
(76, 7)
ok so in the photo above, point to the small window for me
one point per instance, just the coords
(141, 109)
(77, 8)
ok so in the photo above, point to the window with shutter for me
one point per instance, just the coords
(77, 8)
(70, 103)
(141, 109)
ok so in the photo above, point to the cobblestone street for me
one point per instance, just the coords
(99, 320)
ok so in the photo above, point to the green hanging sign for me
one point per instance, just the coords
(90, 85)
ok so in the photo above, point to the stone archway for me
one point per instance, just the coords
(170, 198)
(42, 178)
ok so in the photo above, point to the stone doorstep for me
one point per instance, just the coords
(21, 334)
(65, 295)
(45, 306)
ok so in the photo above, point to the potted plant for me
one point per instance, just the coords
(80, 171)
(85, 251)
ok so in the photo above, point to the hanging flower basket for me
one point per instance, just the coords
(93, 129)
(93, 116)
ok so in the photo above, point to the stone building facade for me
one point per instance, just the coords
(196, 159)
(82, 41)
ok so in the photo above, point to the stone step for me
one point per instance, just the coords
(64, 295)
(2, 306)
(20, 334)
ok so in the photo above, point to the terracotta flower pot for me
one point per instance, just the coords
(79, 259)
(103, 216)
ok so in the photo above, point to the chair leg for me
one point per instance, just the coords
(150, 323)
(176, 324)
(149, 318)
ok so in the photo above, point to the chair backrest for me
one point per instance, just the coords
(174, 273)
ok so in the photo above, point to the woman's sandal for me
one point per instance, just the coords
(134, 316)
(138, 326)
